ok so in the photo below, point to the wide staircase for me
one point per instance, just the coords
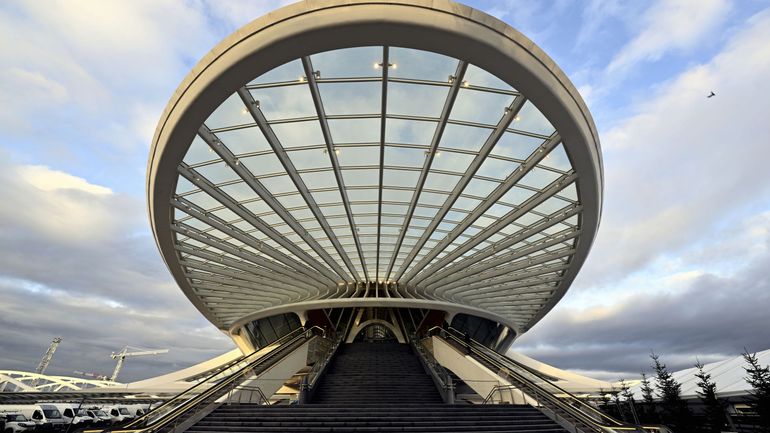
(379, 373)
(376, 387)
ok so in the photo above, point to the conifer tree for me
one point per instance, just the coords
(714, 414)
(628, 397)
(675, 410)
(649, 413)
(759, 379)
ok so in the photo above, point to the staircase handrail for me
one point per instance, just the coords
(211, 394)
(436, 370)
(580, 410)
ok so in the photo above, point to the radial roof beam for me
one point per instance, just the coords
(493, 286)
(450, 273)
(510, 113)
(330, 150)
(255, 278)
(235, 233)
(493, 198)
(461, 278)
(233, 250)
(248, 177)
(203, 216)
(431, 153)
(266, 268)
(383, 121)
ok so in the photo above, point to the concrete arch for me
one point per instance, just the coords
(438, 26)
(361, 326)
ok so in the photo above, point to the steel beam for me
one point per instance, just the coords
(299, 184)
(446, 110)
(204, 184)
(330, 150)
(510, 113)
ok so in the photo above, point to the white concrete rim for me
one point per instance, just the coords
(309, 27)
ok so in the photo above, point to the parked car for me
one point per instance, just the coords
(118, 414)
(45, 416)
(100, 417)
(73, 414)
(15, 423)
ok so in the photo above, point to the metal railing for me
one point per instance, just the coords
(560, 404)
(441, 377)
(172, 413)
(240, 390)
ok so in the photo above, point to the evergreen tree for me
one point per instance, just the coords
(675, 410)
(759, 379)
(649, 414)
(714, 413)
(628, 397)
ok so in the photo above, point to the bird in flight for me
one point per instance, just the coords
(711, 95)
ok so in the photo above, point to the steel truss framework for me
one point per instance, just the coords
(377, 172)
(11, 380)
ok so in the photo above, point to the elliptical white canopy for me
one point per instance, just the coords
(418, 154)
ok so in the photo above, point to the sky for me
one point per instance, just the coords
(678, 267)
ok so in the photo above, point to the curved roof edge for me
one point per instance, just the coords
(312, 26)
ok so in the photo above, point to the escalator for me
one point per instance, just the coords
(524, 384)
(233, 378)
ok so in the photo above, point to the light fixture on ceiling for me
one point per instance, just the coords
(466, 83)
(302, 78)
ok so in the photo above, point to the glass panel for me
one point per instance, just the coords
(203, 200)
(239, 191)
(397, 195)
(321, 179)
(416, 99)
(464, 137)
(476, 76)
(361, 178)
(279, 184)
(422, 65)
(406, 178)
(516, 146)
(183, 185)
(355, 130)
(557, 159)
(310, 159)
(539, 178)
(404, 157)
(246, 140)
(351, 98)
(232, 112)
(295, 134)
(479, 187)
(348, 62)
(530, 119)
(261, 165)
(218, 172)
(198, 152)
(287, 72)
(480, 107)
(285, 102)
(452, 161)
(497, 168)
(440, 181)
(409, 131)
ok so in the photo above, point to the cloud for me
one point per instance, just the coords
(78, 261)
(668, 26)
(683, 162)
(701, 314)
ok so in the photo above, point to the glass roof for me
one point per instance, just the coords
(408, 169)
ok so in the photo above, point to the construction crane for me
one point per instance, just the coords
(124, 353)
(46, 359)
(48, 355)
